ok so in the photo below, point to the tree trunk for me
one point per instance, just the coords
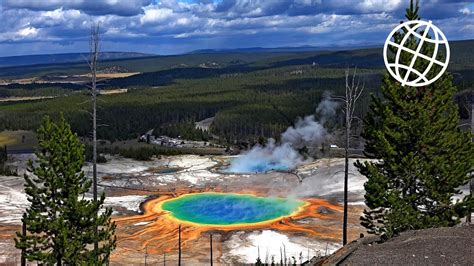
(179, 245)
(23, 250)
(210, 241)
(353, 92)
(346, 179)
(94, 157)
(146, 253)
(471, 182)
(94, 53)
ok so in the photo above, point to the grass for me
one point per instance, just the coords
(115, 75)
(7, 139)
(21, 99)
(14, 140)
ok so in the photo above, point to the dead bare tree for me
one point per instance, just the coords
(92, 62)
(353, 92)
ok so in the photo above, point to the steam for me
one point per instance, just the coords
(328, 179)
(307, 132)
(327, 108)
(266, 158)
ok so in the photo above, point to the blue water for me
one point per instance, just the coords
(228, 209)
(168, 170)
(255, 166)
(267, 166)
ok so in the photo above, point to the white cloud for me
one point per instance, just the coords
(101, 7)
(228, 23)
(466, 11)
(28, 32)
(379, 5)
(156, 15)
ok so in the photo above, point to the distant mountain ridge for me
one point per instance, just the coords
(304, 48)
(462, 60)
(23, 60)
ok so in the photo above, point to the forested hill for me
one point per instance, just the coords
(24, 60)
(261, 58)
(250, 95)
(305, 48)
(461, 65)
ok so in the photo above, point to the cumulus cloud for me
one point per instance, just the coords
(306, 7)
(156, 15)
(95, 7)
(28, 31)
(174, 26)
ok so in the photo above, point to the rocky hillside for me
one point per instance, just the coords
(435, 246)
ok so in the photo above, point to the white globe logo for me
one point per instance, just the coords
(412, 28)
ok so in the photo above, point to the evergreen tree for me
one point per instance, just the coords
(60, 221)
(3, 154)
(424, 157)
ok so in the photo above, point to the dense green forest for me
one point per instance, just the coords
(247, 105)
(249, 95)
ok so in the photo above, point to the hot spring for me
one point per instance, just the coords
(256, 167)
(168, 170)
(229, 209)
(262, 159)
(244, 165)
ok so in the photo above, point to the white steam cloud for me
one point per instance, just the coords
(307, 132)
(266, 158)
(327, 108)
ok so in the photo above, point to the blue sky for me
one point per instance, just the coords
(179, 26)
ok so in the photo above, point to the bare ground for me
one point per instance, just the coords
(435, 246)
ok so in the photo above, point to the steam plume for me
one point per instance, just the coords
(307, 132)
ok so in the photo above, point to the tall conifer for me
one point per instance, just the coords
(60, 221)
(423, 156)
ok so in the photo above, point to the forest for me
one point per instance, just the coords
(247, 98)
(244, 105)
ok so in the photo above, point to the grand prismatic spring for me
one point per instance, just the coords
(229, 209)
(156, 230)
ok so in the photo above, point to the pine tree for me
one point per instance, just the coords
(3, 154)
(423, 156)
(60, 221)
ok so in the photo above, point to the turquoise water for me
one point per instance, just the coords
(255, 165)
(228, 209)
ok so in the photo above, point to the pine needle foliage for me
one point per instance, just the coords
(423, 157)
(60, 220)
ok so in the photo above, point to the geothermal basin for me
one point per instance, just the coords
(245, 212)
(229, 208)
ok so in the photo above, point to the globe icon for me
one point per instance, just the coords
(413, 46)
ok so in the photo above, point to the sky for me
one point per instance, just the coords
(180, 26)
